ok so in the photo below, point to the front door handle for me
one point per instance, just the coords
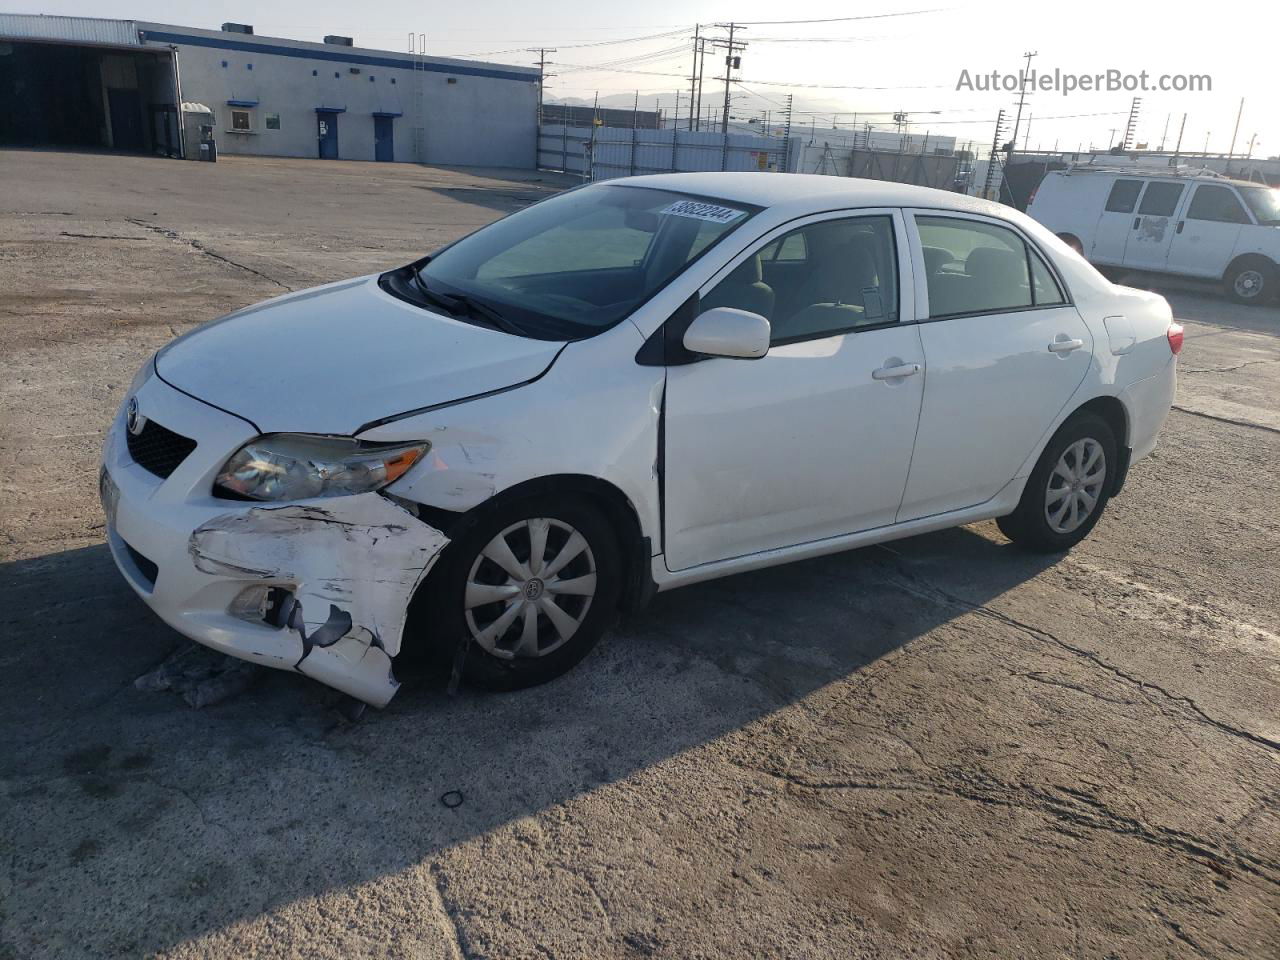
(1136, 222)
(1181, 224)
(896, 372)
(1065, 345)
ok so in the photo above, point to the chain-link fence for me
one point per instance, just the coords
(603, 153)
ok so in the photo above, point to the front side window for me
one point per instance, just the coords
(819, 280)
(1124, 196)
(973, 267)
(579, 262)
(1218, 204)
(1161, 198)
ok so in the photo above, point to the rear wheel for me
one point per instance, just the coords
(1072, 241)
(529, 588)
(1068, 489)
(1251, 280)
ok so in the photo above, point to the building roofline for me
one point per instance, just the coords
(306, 49)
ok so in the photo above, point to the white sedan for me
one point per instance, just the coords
(625, 388)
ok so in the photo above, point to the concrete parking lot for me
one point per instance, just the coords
(943, 747)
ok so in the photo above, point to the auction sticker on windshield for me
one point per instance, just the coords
(698, 210)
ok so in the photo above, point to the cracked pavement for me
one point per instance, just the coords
(940, 747)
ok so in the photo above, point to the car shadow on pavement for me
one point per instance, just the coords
(163, 824)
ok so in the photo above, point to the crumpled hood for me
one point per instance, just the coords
(336, 358)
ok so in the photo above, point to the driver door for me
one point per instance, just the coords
(813, 440)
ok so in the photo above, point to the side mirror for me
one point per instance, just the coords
(727, 332)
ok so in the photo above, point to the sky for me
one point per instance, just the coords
(900, 55)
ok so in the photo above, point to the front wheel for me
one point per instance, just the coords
(528, 588)
(1068, 489)
(1251, 280)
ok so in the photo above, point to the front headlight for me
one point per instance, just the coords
(291, 466)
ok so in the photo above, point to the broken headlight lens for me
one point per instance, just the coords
(287, 466)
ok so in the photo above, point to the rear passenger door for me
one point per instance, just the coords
(1153, 226)
(1115, 224)
(1004, 353)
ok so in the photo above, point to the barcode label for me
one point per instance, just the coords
(697, 210)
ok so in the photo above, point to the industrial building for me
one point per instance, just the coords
(121, 85)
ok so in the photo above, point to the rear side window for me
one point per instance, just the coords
(975, 267)
(1218, 204)
(1124, 196)
(1161, 198)
(1045, 291)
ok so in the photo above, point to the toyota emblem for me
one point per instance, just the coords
(133, 420)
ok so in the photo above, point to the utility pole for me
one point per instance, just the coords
(1131, 128)
(1165, 136)
(731, 62)
(1235, 133)
(1022, 95)
(991, 162)
(693, 71)
(786, 137)
(1178, 148)
(702, 62)
(542, 73)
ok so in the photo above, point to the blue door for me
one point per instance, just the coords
(327, 134)
(383, 144)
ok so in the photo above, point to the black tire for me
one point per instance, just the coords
(438, 621)
(1028, 526)
(1251, 280)
(1072, 241)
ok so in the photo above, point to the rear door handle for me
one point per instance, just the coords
(896, 373)
(1065, 346)
(1181, 224)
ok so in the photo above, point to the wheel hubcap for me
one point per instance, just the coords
(530, 588)
(1075, 485)
(1249, 283)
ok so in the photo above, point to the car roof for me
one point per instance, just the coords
(812, 192)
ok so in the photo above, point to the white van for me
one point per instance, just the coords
(1191, 224)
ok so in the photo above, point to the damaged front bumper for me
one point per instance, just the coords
(319, 586)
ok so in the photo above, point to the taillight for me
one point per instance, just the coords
(1175, 338)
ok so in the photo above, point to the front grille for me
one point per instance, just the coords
(158, 449)
(145, 567)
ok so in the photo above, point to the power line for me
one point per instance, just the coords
(870, 16)
(576, 46)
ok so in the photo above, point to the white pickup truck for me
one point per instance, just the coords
(1190, 224)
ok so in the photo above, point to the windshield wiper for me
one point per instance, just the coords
(456, 303)
(486, 312)
(439, 299)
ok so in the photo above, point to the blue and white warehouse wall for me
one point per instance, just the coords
(431, 110)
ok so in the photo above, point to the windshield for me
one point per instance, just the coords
(1265, 204)
(575, 264)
